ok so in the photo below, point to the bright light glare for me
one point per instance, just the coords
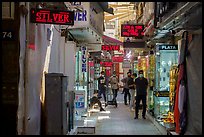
(103, 117)
(106, 112)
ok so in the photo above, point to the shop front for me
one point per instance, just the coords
(171, 107)
(166, 58)
(87, 31)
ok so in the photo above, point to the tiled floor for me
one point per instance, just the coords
(120, 121)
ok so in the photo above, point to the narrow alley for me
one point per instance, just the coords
(61, 60)
(120, 121)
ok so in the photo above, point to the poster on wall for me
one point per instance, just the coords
(79, 100)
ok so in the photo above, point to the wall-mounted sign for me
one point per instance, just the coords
(8, 35)
(106, 64)
(80, 16)
(83, 59)
(117, 59)
(110, 47)
(136, 31)
(168, 47)
(51, 16)
(79, 99)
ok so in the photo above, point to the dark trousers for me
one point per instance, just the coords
(126, 93)
(138, 99)
(115, 93)
(102, 91)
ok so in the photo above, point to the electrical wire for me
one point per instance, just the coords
(57, 29)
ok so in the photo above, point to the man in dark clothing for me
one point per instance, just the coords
(141, 89)
(126, 87)
(102, 86)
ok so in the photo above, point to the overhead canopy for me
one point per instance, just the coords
(104, 6)
(109, 40)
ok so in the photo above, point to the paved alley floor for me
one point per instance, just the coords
(120, 121)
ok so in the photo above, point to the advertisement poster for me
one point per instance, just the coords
(79, 100)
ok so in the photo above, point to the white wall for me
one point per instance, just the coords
(70, 63)
(43, 58)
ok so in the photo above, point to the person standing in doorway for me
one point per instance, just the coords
(114, 85)
(131, 85)
(102, 86)
(141, 89)
(126, 88)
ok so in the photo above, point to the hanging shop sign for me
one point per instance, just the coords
(106, 64)
(168, 47)
(117, 59)
(46, 16)
(136, 31)
(110, 47)
(8, 35)
(83, 59)
(138, 44)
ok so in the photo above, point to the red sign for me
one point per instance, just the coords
(117, 59)
(51, 16)
(110, 47)
(128, 30)
(106, 64)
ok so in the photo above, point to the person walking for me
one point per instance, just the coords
(114, 85)
(141, 89)
(126, 88)
(131, 85)
(102, 86)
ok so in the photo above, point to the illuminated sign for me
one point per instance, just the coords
(51, 16)
(168, 47)
(128, 30)
(117, 59)
(110, 47)
(83, 59)
(106, 64)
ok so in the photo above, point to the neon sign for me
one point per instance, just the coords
(51, 16)
(128, 30)
(110, 47)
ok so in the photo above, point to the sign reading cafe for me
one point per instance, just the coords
(83, 59)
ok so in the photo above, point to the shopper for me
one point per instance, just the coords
(102, 86)
(95, 100)
(141, 89)
(126, 88)
(114, 85)
(131, 85)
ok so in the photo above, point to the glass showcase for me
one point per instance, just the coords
(166, 58)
